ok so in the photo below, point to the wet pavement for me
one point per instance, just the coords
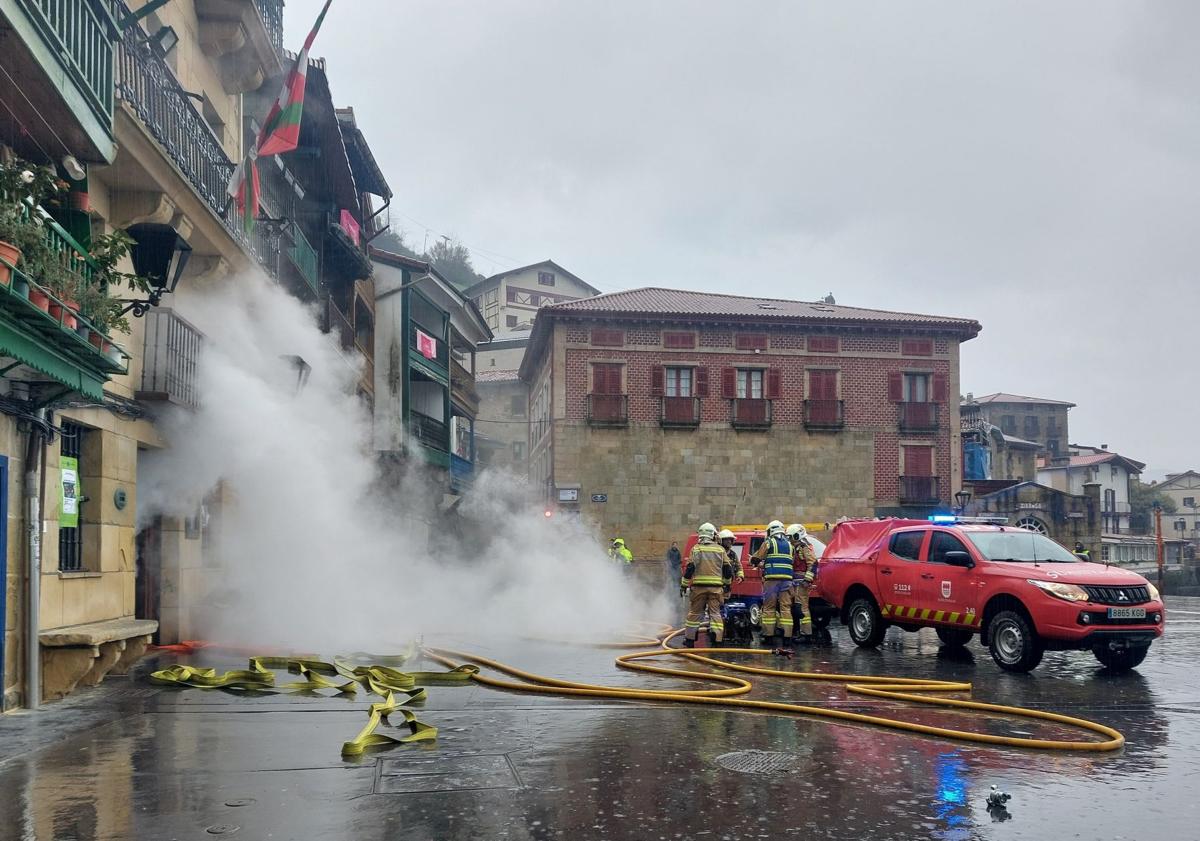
(132, 760)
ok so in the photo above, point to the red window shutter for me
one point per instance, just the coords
(679, 340)
(607, 338)
(823, 344)
(895, 386)
(729, 383)
(916, 347)
(606, 378)
(702, 382)
(918, 461)
(657, 377)
(774, 384)
(822, 385)
(939, 388)
(750, 341)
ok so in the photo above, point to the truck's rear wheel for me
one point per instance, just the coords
(954, 637)
(1121, 660)
(1013, 643)
(866, 623)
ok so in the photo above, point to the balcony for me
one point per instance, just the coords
(65, 347)
(608, 410)
(303, 256)
(337, 323)
(462, 388)
(244, 40)
(430, 432)
(681, 411)
(148, 87)
(824, 414)
(918, 417)
(169, 361)
(919, 490)
(61, 53)
(751, 413)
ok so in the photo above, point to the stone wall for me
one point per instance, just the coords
(499, 423)
(662, 483)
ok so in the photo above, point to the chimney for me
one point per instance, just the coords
(1104, 446)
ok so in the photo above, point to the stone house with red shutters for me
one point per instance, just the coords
(653, 410)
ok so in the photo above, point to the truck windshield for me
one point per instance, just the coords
(1020, 546)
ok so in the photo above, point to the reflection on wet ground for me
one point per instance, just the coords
(129, 760)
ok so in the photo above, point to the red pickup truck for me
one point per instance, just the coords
(1021, 592)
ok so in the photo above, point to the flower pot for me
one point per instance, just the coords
(11, 255)
(80, 201)
(84, 332)
(39, 299)
(97, 340)
(58, 310)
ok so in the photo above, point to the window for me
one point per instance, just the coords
(606, 378)
(518, 450)
(907, 544)
(749, 383)
(510, 320)
(750, 341)
(1032, 426)
(70, 544)
(679, 340)
(916, 388)
(916, 347)
(602, 337)
(517, 406)
(678, 382)
(1110, 500)
(823, 344)
(546, 278)
(492, 296)
(941, 543)
(1104, 553)
(1189, 502)
(1008, 425)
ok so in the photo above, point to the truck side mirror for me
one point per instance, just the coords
(958, 558)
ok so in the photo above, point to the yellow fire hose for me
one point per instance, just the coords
(398, 688)
(891, 688)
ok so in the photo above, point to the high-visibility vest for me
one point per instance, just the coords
(708, 562)
(779, 559)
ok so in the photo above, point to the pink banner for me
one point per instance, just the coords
(350, 226)
(426, 345)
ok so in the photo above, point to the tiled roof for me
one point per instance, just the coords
(1093, 459)
(679, 302)
(492, 375)
(1002, 397)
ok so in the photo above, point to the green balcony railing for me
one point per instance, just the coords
(81, 34)
(303, 257)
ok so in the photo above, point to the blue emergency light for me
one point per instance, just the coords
(943, 518)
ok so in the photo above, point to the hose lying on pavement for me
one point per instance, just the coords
(880, 686)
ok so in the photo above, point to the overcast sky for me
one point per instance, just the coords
(1031, 165)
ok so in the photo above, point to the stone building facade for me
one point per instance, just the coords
(1064, 517)
(1031, 418)
(652, 410)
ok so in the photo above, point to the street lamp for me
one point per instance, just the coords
(159, 254)
(962, 498)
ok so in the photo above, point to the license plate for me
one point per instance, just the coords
(1127, 613)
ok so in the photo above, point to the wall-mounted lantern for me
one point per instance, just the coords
(159, 254)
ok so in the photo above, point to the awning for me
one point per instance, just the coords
(25, 347)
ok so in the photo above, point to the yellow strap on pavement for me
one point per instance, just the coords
(419, 731)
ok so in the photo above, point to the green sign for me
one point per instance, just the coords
(68, 517)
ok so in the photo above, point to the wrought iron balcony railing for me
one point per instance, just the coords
(608, 409)
(271, 12)
(919, 490)
(430, 432)
(824, 414)
(918, 417)
(751, 413)
(170, 359)
(681, 411)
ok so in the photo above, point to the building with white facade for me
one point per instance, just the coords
(1114, 473)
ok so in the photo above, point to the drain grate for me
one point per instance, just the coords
(762, 762)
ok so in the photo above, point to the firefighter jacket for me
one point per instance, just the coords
(776, 555)
(734, 565)
(707, 566)
(804, 561)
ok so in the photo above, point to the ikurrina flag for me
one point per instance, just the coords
(280, 131)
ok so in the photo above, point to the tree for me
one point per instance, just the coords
(1142, 499)
(393, 241)
(453, 261)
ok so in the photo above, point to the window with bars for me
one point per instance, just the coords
(70, 544)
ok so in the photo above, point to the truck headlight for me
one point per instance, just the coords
(1154, 596)
(1068, 592)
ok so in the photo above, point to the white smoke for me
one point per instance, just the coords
(315, 553)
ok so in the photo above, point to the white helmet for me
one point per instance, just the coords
(707, 531)
(774, 527)
(726, 534)
(797, 531)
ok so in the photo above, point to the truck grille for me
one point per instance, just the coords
(1118, 595)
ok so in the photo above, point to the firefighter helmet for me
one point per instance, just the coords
(707, 531)
(774, 527)
(726, 534)
(797, 531)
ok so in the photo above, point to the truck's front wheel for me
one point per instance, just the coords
(866, 623)
(1013, 643)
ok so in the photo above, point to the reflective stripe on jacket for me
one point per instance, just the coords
(707, 563)
(779, 558)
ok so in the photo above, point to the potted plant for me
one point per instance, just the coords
(23, 187)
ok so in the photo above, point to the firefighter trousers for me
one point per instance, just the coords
(777, 608)
(800, 599)
(705, 600)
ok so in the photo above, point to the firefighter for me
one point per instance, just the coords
(620, 553)
(804, 572)
(1082, 553)
(726, 537)
(775, 555)
(705, 574)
